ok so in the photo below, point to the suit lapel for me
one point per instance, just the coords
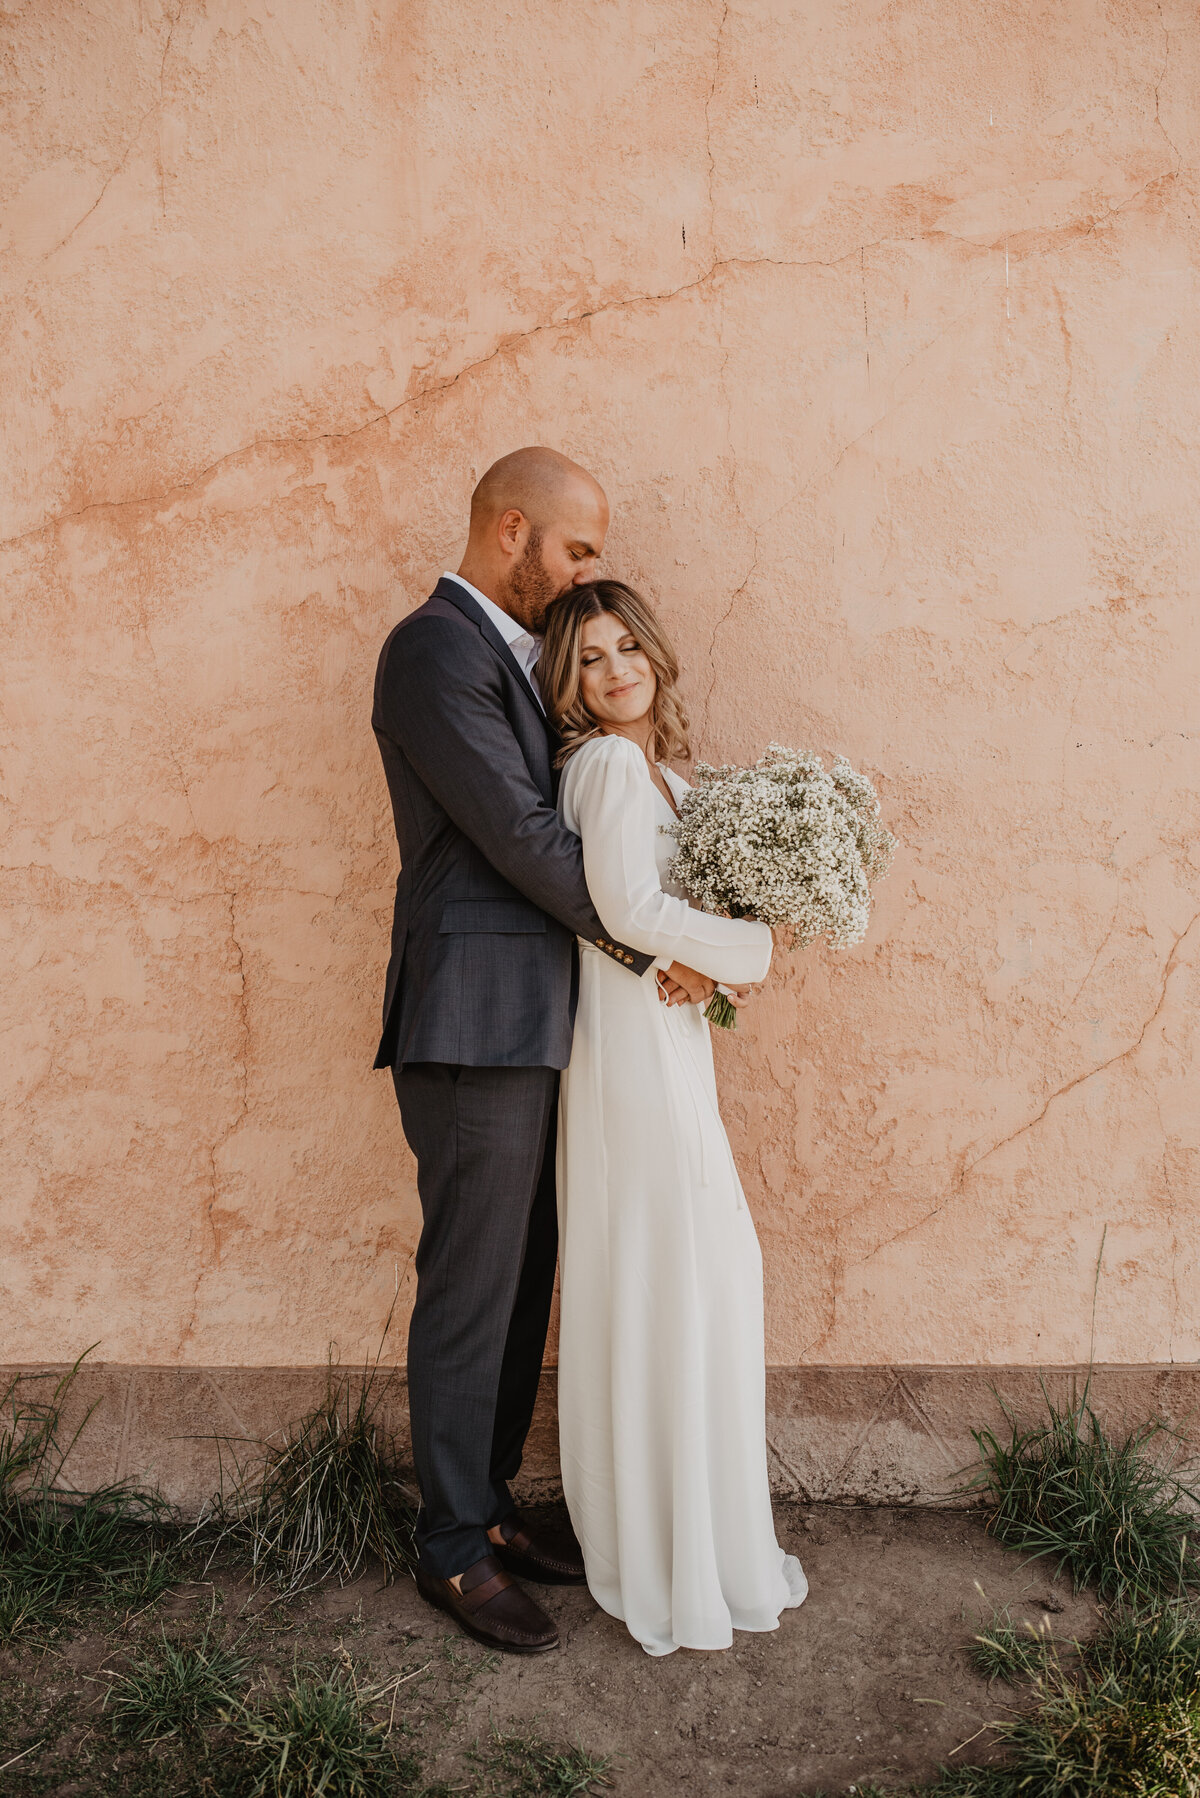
(458, 596)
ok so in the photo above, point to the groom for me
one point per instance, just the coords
(477, 1016)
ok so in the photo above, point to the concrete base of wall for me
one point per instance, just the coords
(872, 1435)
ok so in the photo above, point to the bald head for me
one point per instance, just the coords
(535, 482)
(538, 522)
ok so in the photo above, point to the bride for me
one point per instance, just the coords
(661, 1385)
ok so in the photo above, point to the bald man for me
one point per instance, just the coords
(478, 1010)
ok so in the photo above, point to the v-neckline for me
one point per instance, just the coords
(669, 803)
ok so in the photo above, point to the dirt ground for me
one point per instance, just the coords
(868, 1680)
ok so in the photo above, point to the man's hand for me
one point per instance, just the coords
(681, 985)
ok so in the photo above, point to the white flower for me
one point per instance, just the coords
(786, 842)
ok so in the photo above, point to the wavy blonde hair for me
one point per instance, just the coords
(559, 671)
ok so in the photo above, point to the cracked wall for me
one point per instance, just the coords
(880, 326)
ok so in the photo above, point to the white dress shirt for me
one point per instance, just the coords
(524, 645)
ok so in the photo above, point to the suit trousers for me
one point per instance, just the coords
(484, 1139)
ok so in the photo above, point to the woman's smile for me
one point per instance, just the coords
(616, 678)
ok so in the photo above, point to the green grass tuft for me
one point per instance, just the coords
(520, 1764)
(175, 1689)
(62, 1551)
(982, 1782)
(315, 1738)
(1112, 1513)
(1127, 1722)
(1121, 1717)
(1121, 1720)
(1004, 1652)
(318, 1503)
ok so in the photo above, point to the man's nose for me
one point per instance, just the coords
(586, 571)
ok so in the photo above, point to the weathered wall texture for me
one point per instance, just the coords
(880, 325)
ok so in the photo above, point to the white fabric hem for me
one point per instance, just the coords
(754, 1623)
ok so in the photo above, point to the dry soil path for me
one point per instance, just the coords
(869, 1679)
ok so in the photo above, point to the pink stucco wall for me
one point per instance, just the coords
(880, 325)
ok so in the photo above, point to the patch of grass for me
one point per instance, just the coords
(1121, 1717)
(1127, 1722)
(316, 1737)
(520, 1764)
(982, 1782)
(318, 1503)
(175, 1689)
(1113, 1513)
(61, 1550)
(1001, 1651)
(48, 1748)
(1121, 1721)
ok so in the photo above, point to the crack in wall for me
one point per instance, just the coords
(723, 620)
(1158, 81)
(1091, 968)
(968, 1167)
(229, 892)
(1068, 404)
(1065, 235)
(1073, 234)
(806, 487)
(1169, 1190)
(507, 345)
(167, 736)
(157, 107)
(833, 1298)
(862, 269)
(738, 508)
(242, 1066)
(709, 98)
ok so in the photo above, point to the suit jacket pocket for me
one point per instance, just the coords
(502, 917)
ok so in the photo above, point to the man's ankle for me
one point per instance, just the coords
(496, 1540)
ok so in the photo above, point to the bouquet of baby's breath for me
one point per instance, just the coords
(785, 842)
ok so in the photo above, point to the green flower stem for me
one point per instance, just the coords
(721, 1012)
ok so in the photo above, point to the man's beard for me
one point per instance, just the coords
(531, 589)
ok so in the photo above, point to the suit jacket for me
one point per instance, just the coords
(491, 894)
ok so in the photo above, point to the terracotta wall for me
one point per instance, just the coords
(880, 325)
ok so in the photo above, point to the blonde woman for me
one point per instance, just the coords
(661, 1376)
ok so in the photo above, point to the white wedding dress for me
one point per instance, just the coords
(661, 1382)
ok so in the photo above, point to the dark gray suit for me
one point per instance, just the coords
(478, 1009)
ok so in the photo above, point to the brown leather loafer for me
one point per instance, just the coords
(492, 1608)
(550, 1558)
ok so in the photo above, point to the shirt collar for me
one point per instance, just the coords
(505, 623)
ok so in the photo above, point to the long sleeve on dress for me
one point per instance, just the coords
(609, 798)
